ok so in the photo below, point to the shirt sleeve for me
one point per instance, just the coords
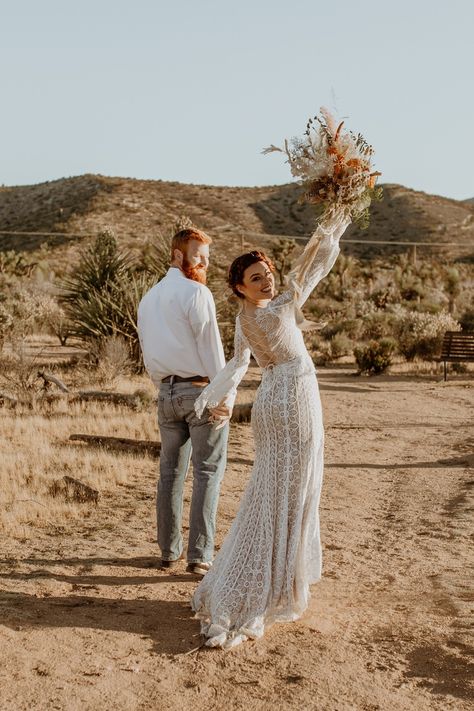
(317, 259)
(224, 386)
(202, 317)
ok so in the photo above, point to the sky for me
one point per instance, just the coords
(193, 90)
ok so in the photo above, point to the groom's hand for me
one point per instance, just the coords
(221, 414)
(221, 411)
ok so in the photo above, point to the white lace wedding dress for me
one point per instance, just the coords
(272, 552)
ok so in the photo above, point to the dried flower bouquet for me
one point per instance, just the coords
(334, 166)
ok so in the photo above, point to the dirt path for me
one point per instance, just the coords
(88, 623)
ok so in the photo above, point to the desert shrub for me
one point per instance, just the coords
(14, 263)
(352, 327)
(431, 307)
(466, 320)
(122, 303)
(381, 298)
(321, 354)
(342, 276)
(59, 325)
(346, 319)
(281, 255)
(111, 358)
(100, 266)
(412, 291)
(326, 351)
(375, 357)
(112, 312)
(6, 322)
(101, 295)
(459, 368)
(331, 287)
(376, 325)
(23, 312)
(19, 374)
(154, 256)
(452, 286)
(227, 333)
(421, 334)
(347, 322)
(340, 345)
(226, 310)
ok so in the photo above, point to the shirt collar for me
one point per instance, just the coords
(175, 272)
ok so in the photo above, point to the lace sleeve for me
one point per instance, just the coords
(318, 257)
(224, 384)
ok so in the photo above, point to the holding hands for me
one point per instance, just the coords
(220, 414)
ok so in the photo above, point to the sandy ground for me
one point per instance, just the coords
(88, 622)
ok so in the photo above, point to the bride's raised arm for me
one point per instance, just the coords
(223, 387)
(318, 257)
(334, 166)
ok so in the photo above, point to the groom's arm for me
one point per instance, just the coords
(202, 317)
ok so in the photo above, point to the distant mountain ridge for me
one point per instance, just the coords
(139, 209)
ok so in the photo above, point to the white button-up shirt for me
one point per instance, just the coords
(178, 330)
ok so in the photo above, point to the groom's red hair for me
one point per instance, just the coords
(183, 237)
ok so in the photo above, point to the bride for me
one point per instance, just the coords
(272, 553)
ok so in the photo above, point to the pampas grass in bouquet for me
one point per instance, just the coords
(334, 166)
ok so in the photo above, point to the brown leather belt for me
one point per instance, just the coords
(192, 379)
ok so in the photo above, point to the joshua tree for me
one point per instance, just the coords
(452, 286)
(281, 255)
(102, 294)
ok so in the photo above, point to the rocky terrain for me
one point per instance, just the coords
(139, 209)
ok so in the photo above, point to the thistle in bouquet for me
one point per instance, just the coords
(334, 166)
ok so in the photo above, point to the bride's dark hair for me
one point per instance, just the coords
(239, 265)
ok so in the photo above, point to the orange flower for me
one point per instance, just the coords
(354, 163)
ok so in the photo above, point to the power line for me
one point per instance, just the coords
(298, 238)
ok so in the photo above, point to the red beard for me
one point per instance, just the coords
(195, 273)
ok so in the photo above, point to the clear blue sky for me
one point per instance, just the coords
(192, 90)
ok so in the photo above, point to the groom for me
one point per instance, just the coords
(182, 351)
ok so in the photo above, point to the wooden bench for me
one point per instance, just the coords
(458, 347)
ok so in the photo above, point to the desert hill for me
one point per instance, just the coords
(139, 209)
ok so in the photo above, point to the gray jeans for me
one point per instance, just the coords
(184, 435)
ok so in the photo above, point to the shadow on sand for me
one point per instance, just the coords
(464, 461)
(168, 624)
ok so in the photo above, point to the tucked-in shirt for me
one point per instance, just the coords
(178, 331)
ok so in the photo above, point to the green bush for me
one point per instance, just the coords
(374, 358)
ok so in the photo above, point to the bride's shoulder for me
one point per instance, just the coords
(284, 299)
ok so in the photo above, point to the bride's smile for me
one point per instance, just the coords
(257, 282)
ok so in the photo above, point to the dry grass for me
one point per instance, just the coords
(35, 452)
